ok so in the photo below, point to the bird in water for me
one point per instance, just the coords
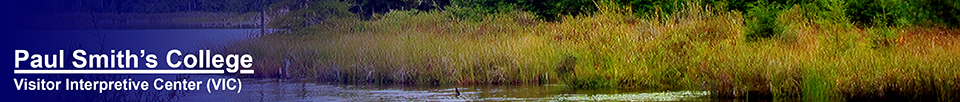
(457, 90)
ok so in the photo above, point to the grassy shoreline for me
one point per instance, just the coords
(696, 48)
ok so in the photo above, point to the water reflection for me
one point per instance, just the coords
(284, 90)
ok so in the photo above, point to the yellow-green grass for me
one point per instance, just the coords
(695, 49)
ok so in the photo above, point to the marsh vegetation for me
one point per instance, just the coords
(821, 50)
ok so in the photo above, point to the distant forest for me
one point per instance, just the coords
(151, 6)
(863, 12)
(234, 6)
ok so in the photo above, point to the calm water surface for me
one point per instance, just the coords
(286, 90)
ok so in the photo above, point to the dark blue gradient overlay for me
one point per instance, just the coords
(22, 31)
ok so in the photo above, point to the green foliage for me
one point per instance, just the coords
(863, 13)
(305, 16)
(881, 13)
(829, 11)
(651, 6)
(696, 48)
(762, 21)
(368, 8)
(466, 13)
(882, 37)
(874, 12)
(924, 12)
(549, 10)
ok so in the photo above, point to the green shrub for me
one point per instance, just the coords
(942, 12)
(830, 11)
(867, 13)
(882, 37)
(647, 7)
(465, 13)
(368, 8)
(762, 21)
(872, 12)
(549, 10)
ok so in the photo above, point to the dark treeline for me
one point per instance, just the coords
(760, 15)
(366, 7)
(860, 12)
(151, 6)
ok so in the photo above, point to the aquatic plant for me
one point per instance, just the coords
(814, 56)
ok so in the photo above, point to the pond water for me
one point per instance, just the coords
(287, 90)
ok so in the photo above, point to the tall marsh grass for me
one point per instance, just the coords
(695, 48)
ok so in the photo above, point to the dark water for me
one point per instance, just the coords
(157, 41)
(286, 90)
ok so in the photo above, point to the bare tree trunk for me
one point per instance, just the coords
(263, 13)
